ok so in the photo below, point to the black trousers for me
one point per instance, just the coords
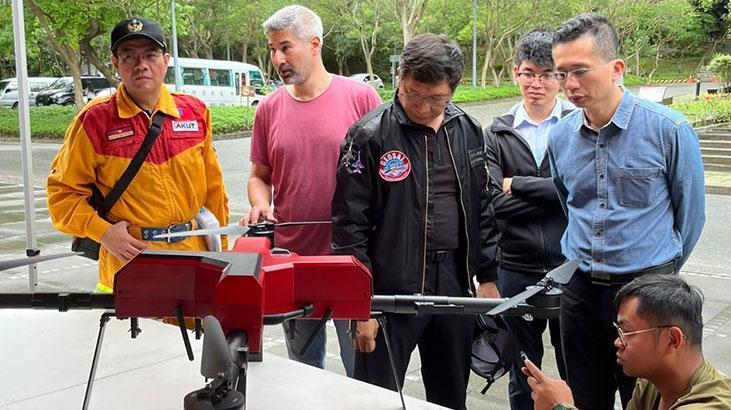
(528, 337)
(444, 341)
(587, 335)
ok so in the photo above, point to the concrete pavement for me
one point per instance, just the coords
(709, 267)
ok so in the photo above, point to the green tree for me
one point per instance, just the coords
(721, 66)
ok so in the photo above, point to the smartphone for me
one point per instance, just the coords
(524, 359)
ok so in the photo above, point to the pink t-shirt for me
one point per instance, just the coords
(300, 141)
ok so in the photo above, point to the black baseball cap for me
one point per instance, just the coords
(137, 27)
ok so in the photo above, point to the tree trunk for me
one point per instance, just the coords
(495, 77)
(245, 53)
(405, 29)
(409, 13)
(78, 87)
(485, 66)
(89, 52)
(68, 55)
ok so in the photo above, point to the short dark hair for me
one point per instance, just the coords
(535, 46)
(431, 59)
(667, 300)
(606, 39)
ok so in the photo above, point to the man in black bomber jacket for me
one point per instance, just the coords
(525, 201)
(412, 204)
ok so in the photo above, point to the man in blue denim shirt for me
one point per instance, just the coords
(630, 177)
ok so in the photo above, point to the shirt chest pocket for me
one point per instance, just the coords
(637, 186)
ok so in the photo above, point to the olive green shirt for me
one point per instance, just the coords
(707, 389)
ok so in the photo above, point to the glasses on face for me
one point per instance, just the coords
(623, 335)
(528, 77)
(131, 57)
(433, 101)
(577, 74)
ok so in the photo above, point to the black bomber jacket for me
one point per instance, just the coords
(530, 217)
(380, 202)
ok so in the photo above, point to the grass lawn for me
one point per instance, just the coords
(51, 122)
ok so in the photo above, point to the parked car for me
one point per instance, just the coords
(9, 90)
(104, 92)
(377, 82)
(61, 91)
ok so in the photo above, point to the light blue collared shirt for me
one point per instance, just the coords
(633, 192)
(536, 135)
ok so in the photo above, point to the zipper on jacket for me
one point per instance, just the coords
(426, 210)
(543, 244)
(464, 215)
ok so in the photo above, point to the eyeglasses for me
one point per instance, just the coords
(623, 335)
(434, 101)
(528, 77)
(131, 57)
(578, 74)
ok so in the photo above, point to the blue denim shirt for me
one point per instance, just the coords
(633, 192)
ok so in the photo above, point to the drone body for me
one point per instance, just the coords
(243, 287)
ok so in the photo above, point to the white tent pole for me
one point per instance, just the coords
(21, 71)
(176, 63)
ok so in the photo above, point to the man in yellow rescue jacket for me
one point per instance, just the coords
(178, 177)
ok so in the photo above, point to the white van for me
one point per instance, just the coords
(218, 82)
(9, 90)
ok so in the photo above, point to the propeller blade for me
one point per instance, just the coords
(216, 357)
(303, 223)
(561, 275)
(565, 272)
(235, 230)
(14, 263)
(515, 300)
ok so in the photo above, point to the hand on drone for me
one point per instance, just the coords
(365, 335)
(117, 241)
(258, 214)
(546, 392)
(488, 290)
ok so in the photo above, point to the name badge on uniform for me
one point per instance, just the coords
(185, 126)
(120, 133)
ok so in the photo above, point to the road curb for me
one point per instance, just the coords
(232, 136)
(718, 190)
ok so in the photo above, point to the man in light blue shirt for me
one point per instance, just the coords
(527, 208)
(630, 177)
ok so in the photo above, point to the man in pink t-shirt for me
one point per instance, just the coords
(297, 134)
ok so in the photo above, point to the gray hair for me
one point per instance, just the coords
(303, 22)
(535, 46)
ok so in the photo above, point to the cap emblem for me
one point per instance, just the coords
(134, 26)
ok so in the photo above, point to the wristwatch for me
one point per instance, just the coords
(564, 406)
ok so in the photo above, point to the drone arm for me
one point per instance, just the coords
(60, 301)
(407, 304)
(276, 319)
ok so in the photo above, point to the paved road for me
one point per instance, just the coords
(709, 266)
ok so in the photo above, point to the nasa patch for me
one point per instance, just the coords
(394, 166)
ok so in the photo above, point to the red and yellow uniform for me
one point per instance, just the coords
(180, 175)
